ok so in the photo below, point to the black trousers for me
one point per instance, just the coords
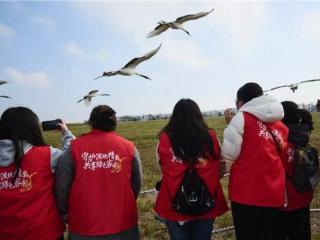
(293, 225)
(253, 223)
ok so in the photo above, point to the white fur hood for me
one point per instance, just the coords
(266, 108)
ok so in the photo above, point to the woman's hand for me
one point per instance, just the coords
(228, 115)
(63, 126)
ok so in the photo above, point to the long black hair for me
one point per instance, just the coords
(20, 124)
(188, 132)
(294, 115)
(299, 122)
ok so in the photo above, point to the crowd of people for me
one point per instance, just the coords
(90, 185)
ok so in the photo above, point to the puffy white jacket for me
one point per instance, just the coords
(266, 108)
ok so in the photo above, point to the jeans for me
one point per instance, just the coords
(191, 230)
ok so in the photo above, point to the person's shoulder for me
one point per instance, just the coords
(164, 137)
(281, 125)
(212, 133)
(39, 150)
(42, 148)
(123, 139)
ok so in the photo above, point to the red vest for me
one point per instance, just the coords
(257, 177)
(173, 170)
(28, 209)
(296, 200)
(101, 199)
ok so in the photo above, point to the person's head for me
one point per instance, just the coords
(188, 131)
(248, 92)
(20, 124)
(103, 117)
(294, 115)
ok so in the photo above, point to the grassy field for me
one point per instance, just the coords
(144, 135)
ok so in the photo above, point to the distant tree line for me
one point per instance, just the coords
(215, 113)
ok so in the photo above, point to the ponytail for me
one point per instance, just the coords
(306, 118)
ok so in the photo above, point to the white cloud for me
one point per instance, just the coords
(242, 21)
(30, 79)
(185, 53)
(310, 25)
(46, 22)
(6, 32)
(73, 49)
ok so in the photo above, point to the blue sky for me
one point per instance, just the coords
(52, 51)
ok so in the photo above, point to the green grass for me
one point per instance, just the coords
(144, 136)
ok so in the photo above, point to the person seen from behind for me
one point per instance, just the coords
(252, 142)
(98, 181)
(28, 208)
(184, 142)
(293, 221)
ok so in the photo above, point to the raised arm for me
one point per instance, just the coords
(232, 138)
(66, 139)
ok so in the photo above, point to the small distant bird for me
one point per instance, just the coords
(177, 24)
(3, 82)
(3, 96)
(293, 86)
(87, 98)
(129, 68)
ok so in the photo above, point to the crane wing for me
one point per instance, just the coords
(311, 80)
(158, 30)
(271, 89)
(192, 16)
(3, 82)
(93, 92)
(134, 62)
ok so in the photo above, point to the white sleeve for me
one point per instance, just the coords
(232, 138)
(66, 139)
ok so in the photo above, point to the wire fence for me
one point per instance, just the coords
(219, 230)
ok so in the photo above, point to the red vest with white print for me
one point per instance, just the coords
(101, 199)
(296, 200)
(173, 170)
(28, 208)
(257, 176)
